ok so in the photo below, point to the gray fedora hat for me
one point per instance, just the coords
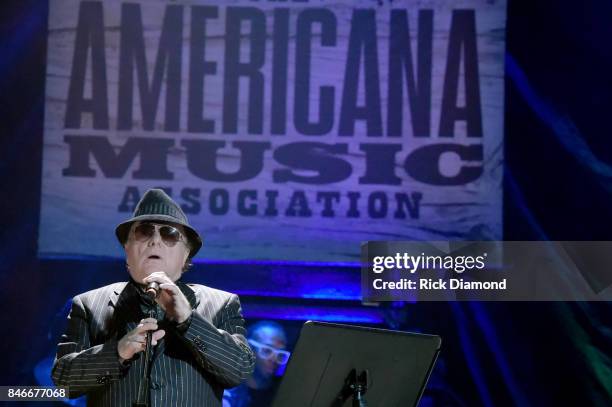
(156, 205)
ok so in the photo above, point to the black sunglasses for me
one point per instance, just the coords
(169, 234)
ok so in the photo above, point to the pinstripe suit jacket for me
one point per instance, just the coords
(189, 367)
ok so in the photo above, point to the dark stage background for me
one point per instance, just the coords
(557, 186)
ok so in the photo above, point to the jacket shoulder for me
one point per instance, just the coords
(106, 291)
(204, 291)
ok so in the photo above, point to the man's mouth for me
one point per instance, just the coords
(154, 257)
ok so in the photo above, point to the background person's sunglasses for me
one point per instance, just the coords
(169, 234)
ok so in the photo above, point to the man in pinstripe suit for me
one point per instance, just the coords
(197, 332)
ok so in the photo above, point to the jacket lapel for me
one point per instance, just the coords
(127, 308)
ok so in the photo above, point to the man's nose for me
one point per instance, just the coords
(156, 238)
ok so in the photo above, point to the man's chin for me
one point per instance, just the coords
(150, 267)
(153, 263)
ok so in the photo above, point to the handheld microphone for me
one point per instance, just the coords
(152, 290)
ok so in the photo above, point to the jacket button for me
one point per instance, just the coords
(103, 379)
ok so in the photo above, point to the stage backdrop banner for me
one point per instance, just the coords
(286, 130)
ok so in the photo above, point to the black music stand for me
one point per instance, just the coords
(336, 365)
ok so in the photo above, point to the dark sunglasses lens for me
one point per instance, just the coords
(170, 235)
(144, 231)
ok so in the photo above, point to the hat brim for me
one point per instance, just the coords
(123, 229)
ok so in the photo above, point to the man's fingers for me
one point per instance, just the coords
(158, 276)
(148, 320)
(170, 287)
(146, 326)
(138, 341)
(135, 342)
(174, 302)
(133, 345)
(157, 335)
